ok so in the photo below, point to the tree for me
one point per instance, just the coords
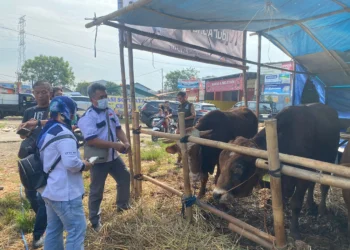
(113, 89)
(50, 68)
(172, 77)
(82, 88)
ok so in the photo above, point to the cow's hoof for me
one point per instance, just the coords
(200, 195)
(322, 210)
(295, 234)
(312, 209)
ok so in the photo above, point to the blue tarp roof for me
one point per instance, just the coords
(316, 33)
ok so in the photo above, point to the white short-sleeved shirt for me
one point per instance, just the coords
(65, 182)
(93, 124)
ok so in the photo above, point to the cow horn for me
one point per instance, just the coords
(205, 132)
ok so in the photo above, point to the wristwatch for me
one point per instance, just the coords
(39, 123)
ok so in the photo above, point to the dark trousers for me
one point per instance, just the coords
(98, 174)
(38, 205)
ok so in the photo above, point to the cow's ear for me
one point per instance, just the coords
(173, 149)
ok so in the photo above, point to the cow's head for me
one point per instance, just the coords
(237, 177)
(194, 152)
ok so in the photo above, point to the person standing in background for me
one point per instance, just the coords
(186, 107)
(101, 129)
(57, 91)
(33, 119)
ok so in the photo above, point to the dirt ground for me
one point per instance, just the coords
(329, 232)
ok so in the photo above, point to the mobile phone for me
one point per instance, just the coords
(93, 159)
(23, 131)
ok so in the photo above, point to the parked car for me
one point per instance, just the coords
(150, 108)
(15, 104)
(267, 110)
(83, 102)
(202, 109)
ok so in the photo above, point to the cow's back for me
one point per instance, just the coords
(243, 122)
(310, 131)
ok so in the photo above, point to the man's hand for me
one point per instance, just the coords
(88, 165)
(120, 147)
(31, 124)
(127, 148)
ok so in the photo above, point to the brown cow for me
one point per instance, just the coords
(345, 160)
(310, 131)
(224, 126)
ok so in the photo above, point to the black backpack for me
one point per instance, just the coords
(31, 170)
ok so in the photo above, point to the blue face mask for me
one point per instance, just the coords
(102, 104)
(75, 119)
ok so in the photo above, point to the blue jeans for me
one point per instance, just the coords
(67, 215)
(38, 205)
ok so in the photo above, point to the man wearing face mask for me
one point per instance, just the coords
(102, 132)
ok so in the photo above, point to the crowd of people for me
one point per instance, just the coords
(59, 205)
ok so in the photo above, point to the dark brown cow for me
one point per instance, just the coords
(345, 160)
(224, 126)
(310, 131)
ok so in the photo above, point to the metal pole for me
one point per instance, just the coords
(275, 181)
(162, 83)
(126, 109)
(244, 75)
(258, 84)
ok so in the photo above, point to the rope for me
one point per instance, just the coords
(276, 173)
(138, 177)
(187, 202)
(240, 183)
(22, 234)
(184, 139)
(136, 131)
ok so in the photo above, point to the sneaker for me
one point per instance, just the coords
(97, 227)
(38, 243)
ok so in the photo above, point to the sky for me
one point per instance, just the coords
(64, 20)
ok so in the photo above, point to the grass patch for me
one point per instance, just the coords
(2, 125)
(11, 213)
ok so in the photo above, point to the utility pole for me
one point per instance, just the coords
(21, 46)
(162, 83)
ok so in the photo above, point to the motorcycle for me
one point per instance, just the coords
(159, 125)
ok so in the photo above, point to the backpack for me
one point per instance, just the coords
(28, 145)
(31, 169)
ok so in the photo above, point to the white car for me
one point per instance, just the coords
(83, 102)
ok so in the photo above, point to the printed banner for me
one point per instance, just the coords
(116, 103)
(229, 42)
(188, 84)
(283, 65)
(279, 89)
(231, 84)
(278, 78)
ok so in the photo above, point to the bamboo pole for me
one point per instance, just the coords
(126, 110)
(250, 236)
(138, 184)
(244, 75)
(258, 84)
(185, 167)
(326, 179)
(275, 181)
(258, 153)
(237, 222)
(264, 236)
(133, 109)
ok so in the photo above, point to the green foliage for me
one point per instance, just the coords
(82, 88)
(50, 68)
(11, 213)
(172, 77)
(113, 88)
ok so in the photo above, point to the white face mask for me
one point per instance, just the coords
(102, 104)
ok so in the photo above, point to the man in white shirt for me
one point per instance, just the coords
(93, 125)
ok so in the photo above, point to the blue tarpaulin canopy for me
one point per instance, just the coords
(315, 33)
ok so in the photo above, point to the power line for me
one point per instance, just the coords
(103, 51)
(8, 76)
